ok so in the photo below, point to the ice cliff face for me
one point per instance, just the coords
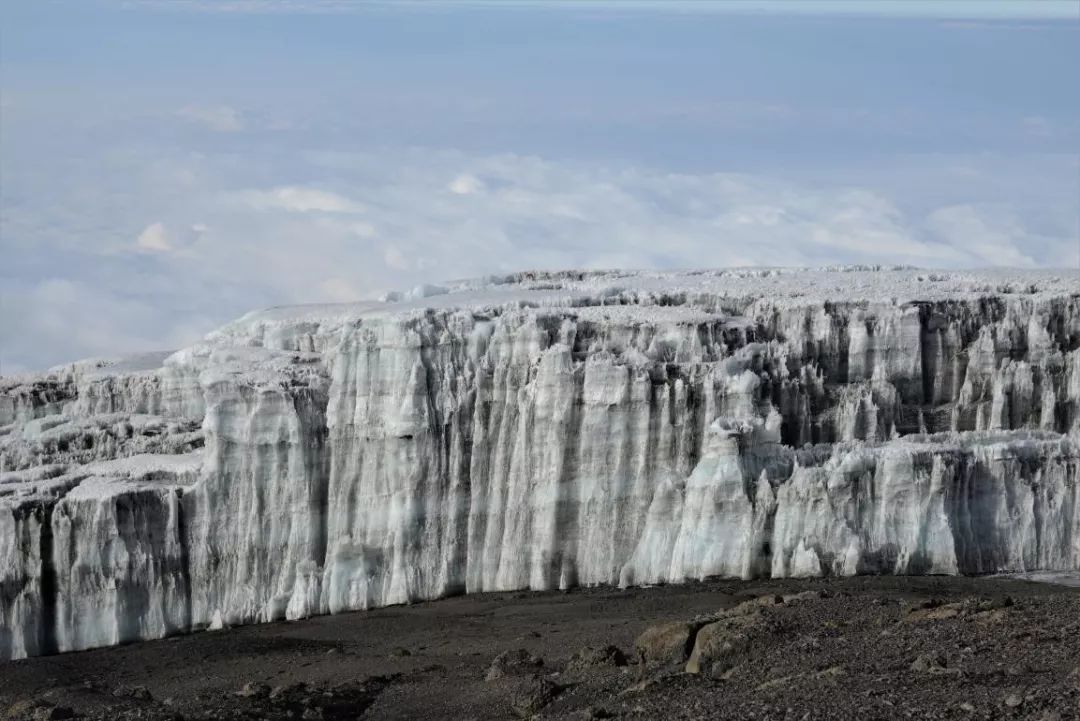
(543, 431)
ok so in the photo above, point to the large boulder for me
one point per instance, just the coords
(534, 696)
(518, 662)
(666, 642)
(719, 644)
(591, 657)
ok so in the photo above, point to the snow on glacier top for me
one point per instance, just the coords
(100, 478)
(655, 297)
(782, 285)
(668, 297)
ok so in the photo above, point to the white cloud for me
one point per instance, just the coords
(280, 244)
(394, 258)
(219, 118)
(339, 290)
(66, 320)
(299, 199)
(466, 184)
(154, 239)
(985, 240)
(363, 230)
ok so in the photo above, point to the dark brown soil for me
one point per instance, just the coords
(861, 648)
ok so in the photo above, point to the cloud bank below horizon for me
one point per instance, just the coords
(212, 241)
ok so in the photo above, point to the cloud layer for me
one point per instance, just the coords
(207, 239)
(208, 157)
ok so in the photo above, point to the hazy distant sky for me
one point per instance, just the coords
(167, 166)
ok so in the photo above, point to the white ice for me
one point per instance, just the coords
(545, 430)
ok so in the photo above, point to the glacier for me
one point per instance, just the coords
(545, 430)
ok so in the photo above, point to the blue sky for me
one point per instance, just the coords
(167, 166)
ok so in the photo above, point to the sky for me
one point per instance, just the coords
(168, 165)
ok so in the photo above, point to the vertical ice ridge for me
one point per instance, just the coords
(351, 458)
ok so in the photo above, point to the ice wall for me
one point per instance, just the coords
(542, 431)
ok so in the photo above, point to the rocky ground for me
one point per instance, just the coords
(860, 648)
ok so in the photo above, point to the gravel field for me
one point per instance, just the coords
(856, 648)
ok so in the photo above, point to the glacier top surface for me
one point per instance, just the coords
(796, 286)
(99, 478)
(599, 294)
